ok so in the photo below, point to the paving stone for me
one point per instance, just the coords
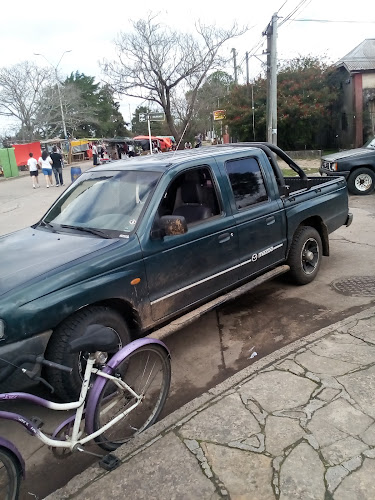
(355, 353)
(291, 366)
(165, 460)
(328, 394)
(244, 474)
(334, 476)
(369, 453)
(281, 432)
(342, 450)
(278, 390)
(361, 387)
(302, 475)
(227, 420)
(369, 435)
(343, 337)
(260, 415)
(354, 463)
(323, 432)
(254, 443)
(329, 423)
(312, 441)
(364, 330)
(359, 485)
(323, 365)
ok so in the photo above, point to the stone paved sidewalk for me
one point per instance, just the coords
(297, 424)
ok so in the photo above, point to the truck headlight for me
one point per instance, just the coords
(2, 329)
(334, 167)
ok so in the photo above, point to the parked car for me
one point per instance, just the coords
(135, 243)
(356, 165)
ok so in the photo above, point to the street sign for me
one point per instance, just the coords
(142, 117)
(156, 117)
(219, 114)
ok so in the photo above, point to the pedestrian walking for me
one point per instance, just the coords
(198, 141)
(45, 163)
(57, 163)
(32, 165)
(94, 154)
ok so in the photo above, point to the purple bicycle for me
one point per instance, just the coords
(118, 400)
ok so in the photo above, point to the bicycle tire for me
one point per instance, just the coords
(133, 369)
(10, 475)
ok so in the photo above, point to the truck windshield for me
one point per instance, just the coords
(106, 201)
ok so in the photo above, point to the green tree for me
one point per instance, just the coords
(141, 127)
(306, 97)
(103, 118)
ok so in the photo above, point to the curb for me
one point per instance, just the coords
(189, 410)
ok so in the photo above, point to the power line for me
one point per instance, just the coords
(332, 21)
(300, 6)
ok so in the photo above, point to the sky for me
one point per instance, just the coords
(88, 29)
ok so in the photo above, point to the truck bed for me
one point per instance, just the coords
(296, 184)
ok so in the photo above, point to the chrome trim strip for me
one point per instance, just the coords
(210, 277)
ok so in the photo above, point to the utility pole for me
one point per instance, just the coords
(247, 68)
(235, 65)
(271, 33)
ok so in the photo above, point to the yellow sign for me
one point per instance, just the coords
(219, 114)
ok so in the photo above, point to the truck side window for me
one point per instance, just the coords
(192, 195)
(247, 182)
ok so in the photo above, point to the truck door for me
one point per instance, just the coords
(187, 268)
(259, 215)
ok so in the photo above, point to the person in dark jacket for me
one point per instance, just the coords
(57, 160)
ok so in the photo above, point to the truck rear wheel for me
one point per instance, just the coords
(361, 181)
(68, 387)
(305, 255)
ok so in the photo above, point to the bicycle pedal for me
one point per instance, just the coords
(37, 422)
(109, 462)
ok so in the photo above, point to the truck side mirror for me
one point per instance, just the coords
(169, 225)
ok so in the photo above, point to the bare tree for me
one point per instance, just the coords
(76, 111)
(20, 90)
(158, 64)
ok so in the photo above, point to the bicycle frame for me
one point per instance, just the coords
(102, 376)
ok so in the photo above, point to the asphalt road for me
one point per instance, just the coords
(224, 340)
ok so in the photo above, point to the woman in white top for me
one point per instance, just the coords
(33, 169)
(46, 163)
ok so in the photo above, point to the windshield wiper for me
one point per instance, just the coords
(97, 232)
(48, 224)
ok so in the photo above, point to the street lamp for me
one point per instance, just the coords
(58, 87)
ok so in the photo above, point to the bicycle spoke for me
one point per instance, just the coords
(147, 372)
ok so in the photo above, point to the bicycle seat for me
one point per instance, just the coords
(96, 338)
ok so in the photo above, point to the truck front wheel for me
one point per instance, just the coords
(305, 255)
(361, 181)
(68, 387)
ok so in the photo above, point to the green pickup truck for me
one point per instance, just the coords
(136, 243)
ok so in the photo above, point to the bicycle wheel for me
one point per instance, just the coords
(147, 371)
(10, 476)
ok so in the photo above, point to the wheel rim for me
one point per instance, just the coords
(9, 477)
(310, 256)
(363, 182)
(147, 373)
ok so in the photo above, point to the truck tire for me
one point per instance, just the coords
(305, 255)
(361, 181)
(67, 387)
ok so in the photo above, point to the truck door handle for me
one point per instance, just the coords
(270, 220)
(224, 237)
